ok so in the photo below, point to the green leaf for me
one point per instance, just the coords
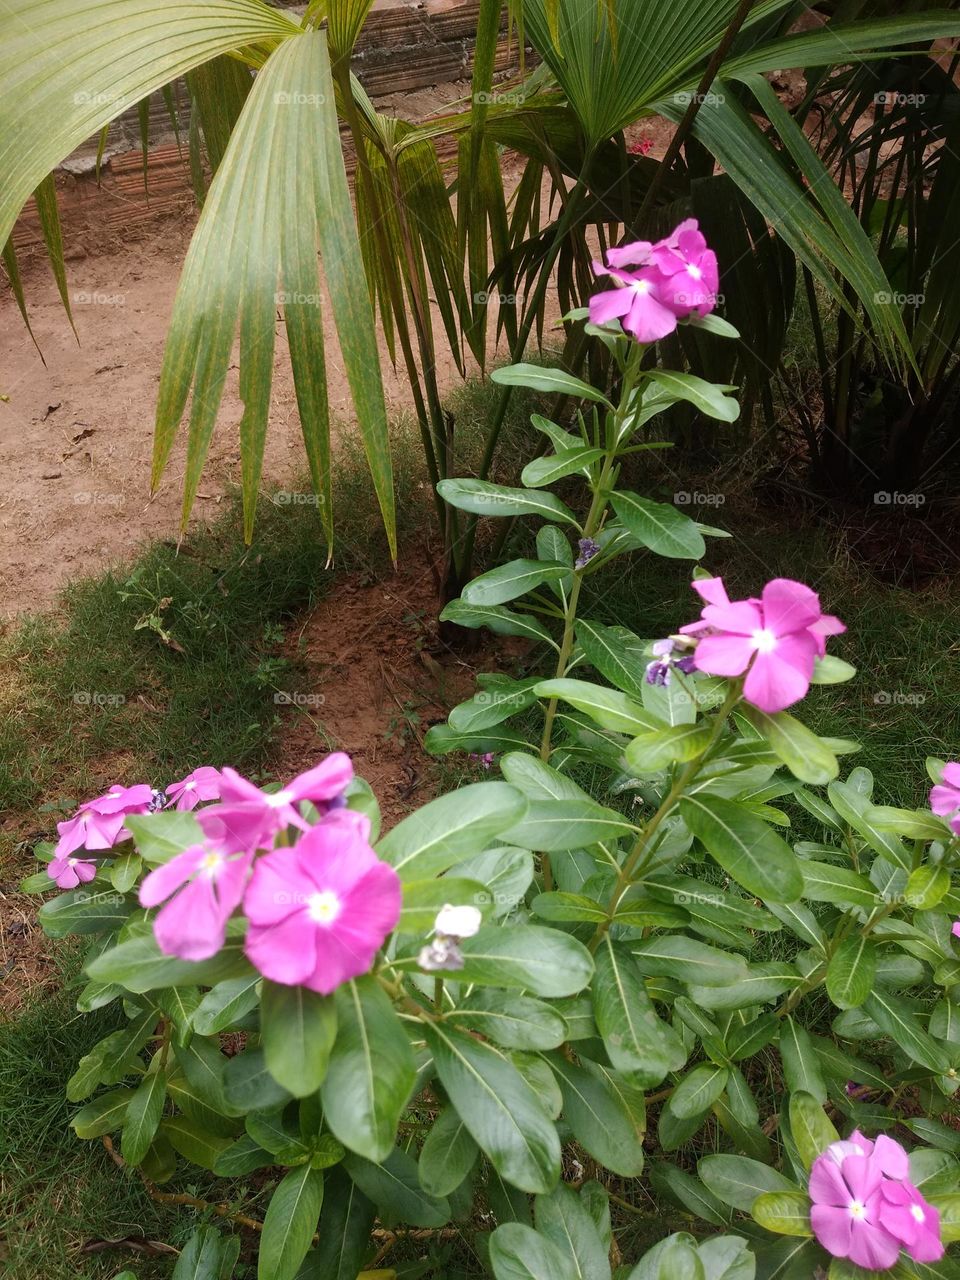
(659, 526)
(698, 1091)
(448, 1154)
(855, 809)
(371, 1073)
(291, 1220)
(811, 1130)
(492, 705)
(801, 1067)
(451, 828)
(675, 956)
(249, 1086)
(636, 1040)
(287, 130)
(543, 961)
(103, 1115)
(737, 1180)
(511, 1020)
(703, 395)
(926, 887)
(823, 882)
(143, 1116)
(225, 1004)
(499, 620)
(346, 1220)
(563, 1218)
(606, 1112)
(608, 707)
(297, 1031)
(801, 751)
(552, 826)
(831, 670)
(422, 899)
(745, 847)
(895, 1015)
(546, 471)
(616, 653)
(243, 1157)
(517, 1252)
(84, 911)
(851, 972)
(552, 380)
(140, 966)
(394, 1187)
(161, 836)
(485, 499)
(192, 1142)
(499, 1108)
(786, 1212)
(509, 581)
(651, 752)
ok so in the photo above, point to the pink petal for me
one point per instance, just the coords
(779, 679)
(284, 952)
(166, 879)
(711, 589)
(612, 304)
(891, 1158)
(71, 834)
(827, 1185)
(324, 782)
(723, 655)
(951, 774)
(649, 320)
(340, 957)
(742, 617)
(277, 888)
(636, 254)
(872, 1247)
(191, 925)
(789, 606)
(831, 1226)
(85, 871)
(944, 800)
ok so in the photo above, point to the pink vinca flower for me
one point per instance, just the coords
(865, 1207)
(945, 796)
(250, 818)
(320, 911)
(911, 1220)
(847, 1214)
(775, 639)
(690, 269)
(202, 887)
(68, 872)
(658, 284)
(99, 823)
(196, 788)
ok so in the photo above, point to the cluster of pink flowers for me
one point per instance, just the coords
(658, 285)
(318, 907)
(101, 823)
(775, 639)
(865, 1207)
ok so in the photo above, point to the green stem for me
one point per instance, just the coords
(636, 858)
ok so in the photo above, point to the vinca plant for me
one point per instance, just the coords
(486, 1024)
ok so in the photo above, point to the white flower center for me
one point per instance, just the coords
(72, 862)
(917, 1213)
(189, 786)
(279, 799)
(764, 641)
(858, 1210)
(694, 271)
(323, 908)
(211, 865)
(641, 286)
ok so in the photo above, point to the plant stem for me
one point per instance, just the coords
(642, 844)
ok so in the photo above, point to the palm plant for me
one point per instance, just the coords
(279, 191)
